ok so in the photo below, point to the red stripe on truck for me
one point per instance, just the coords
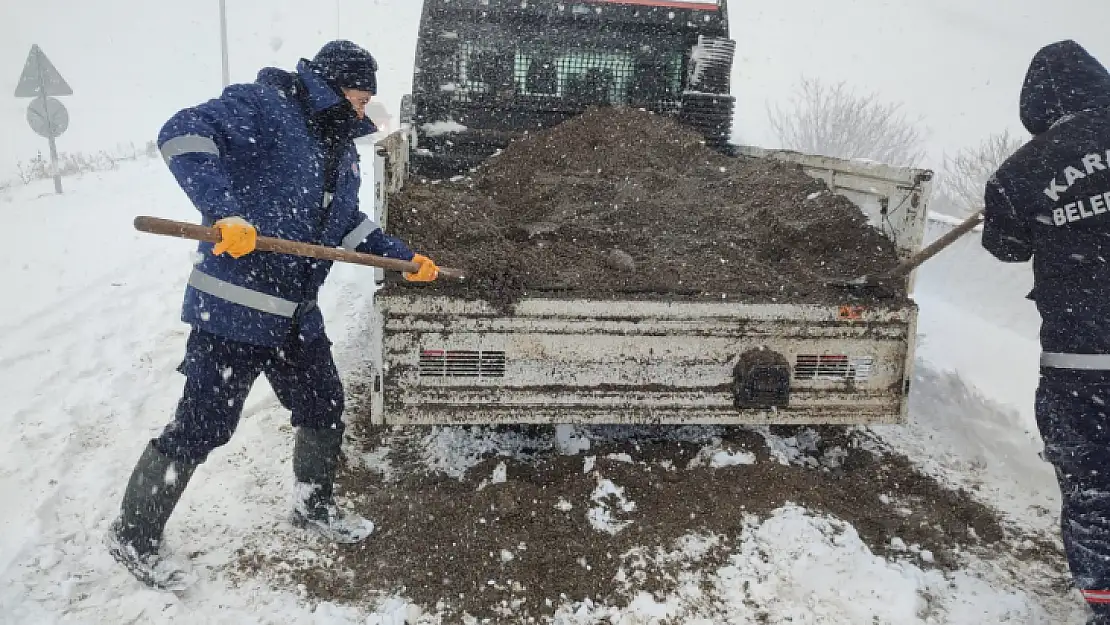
(671, 4)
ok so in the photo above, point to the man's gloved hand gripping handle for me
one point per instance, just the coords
(238, 237)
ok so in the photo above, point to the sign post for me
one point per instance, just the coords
(223, 43)
(46, 115)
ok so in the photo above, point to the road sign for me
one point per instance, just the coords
(48, 117)
(40, 77)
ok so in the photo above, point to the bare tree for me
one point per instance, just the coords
(965, 175)
(832, 120)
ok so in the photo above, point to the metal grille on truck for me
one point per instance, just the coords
(462, 363)
(581, 77)
(832, 367)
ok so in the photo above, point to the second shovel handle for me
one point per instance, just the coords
(933, 248)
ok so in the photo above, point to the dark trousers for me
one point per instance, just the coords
(1072, 409)
(220, 373)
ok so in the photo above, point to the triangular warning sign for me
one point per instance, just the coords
(39, 75)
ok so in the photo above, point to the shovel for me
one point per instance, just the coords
(914, 261)
(184, 230)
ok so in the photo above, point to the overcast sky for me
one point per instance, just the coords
(132, 63)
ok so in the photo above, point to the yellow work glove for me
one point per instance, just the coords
(428, 270)
(238, 237)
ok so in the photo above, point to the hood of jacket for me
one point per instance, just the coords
(1063, 79)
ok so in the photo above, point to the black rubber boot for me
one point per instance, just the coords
(153, 491)
(315, 462)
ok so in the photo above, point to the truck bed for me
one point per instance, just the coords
(441, 358)
(625, 204)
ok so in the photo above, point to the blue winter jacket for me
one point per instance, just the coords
(251, 153)
(1050, 201)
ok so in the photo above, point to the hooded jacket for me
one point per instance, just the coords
(1050, 201)
(279, 153)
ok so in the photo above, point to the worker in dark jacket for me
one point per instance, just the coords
(1050, 202)
(275, 157)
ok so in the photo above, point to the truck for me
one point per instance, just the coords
(488, 70)
(439, 359)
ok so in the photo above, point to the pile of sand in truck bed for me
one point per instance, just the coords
(619, 203)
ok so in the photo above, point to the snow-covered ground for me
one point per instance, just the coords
(91, 338)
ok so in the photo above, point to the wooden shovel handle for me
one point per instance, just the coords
(933, 248)
(184, 230)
